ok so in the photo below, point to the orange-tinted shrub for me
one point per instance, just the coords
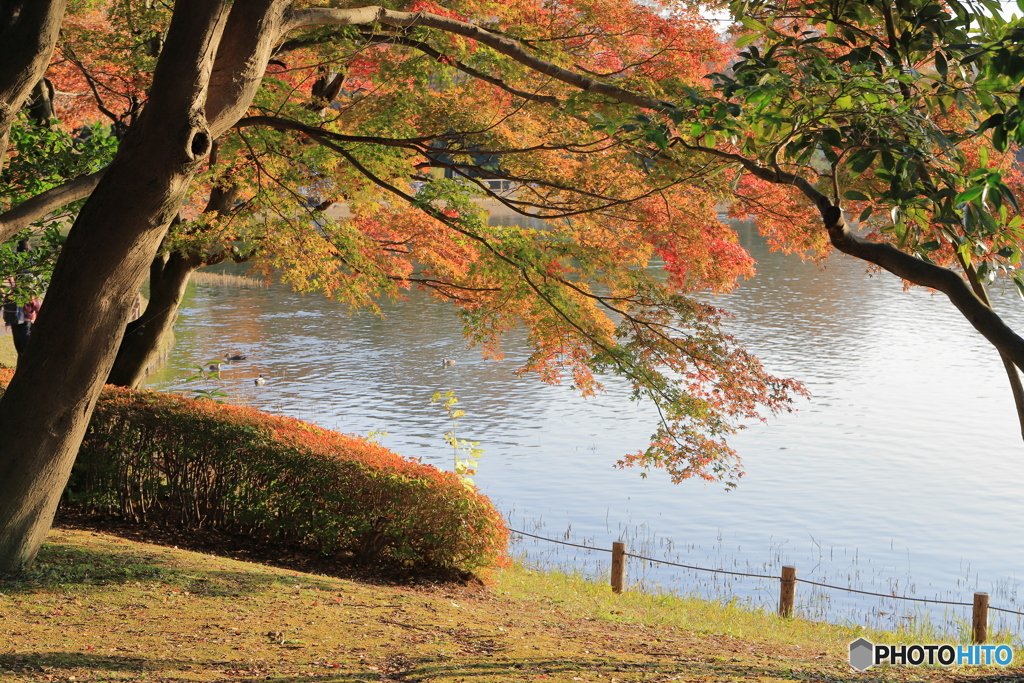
(165, 459)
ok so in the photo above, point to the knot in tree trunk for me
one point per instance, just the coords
(199, 142)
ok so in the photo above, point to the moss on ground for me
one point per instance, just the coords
(101, 608)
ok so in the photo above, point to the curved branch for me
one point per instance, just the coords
(984, 319)
(465, 68)
(20, 217)
(506, 46)
(899, 263)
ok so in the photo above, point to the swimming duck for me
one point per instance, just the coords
(447, 362)
(231, 359)
(259, 381)
(213, 367)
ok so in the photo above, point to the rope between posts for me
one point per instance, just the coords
(1008, 611)
(763, 576)
(551, 540)
(700, 569)
(883, 595)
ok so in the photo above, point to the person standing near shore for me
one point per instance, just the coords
(20, 317)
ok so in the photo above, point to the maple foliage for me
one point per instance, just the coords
(616, 129)
(412, 128)
(412, 108)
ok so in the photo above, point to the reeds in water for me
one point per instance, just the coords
(221, 280)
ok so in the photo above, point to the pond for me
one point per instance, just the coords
(902, 474)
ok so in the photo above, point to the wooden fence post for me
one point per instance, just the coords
(618, 566)
(787, 592)
(979, 618)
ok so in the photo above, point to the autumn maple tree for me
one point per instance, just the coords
(236, 122)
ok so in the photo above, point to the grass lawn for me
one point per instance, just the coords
(8, 357)
(97, 607)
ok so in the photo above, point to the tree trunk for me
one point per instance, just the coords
(1012, 375)
(40, 104)
(143, 337)
(168, 277)
(28, 32)
(46, 408)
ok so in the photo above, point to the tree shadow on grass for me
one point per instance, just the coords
(58, 662)
(530, 669)
(398, 667)
(410, 671)
(61, 565)
(272, 552)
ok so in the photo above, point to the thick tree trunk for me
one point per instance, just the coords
(168, 277)
(28, 32)
(143, 337)
(46, 408)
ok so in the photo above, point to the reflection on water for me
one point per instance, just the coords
(902, 473)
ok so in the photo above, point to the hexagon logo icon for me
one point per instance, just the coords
(862, 654)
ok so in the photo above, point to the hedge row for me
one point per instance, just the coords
(168, 460)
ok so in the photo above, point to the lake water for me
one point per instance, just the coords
(903, 473)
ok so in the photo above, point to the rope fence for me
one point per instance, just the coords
(788, 581)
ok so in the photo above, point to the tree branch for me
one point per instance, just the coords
(506, 46)
(251, 31)
(28, 32)
(20, 217)
(465, 68)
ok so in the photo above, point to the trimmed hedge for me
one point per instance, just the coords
(165, 459)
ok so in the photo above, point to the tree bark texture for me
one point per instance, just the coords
(46, 408)
(28, 32)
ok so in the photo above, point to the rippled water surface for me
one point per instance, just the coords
(903, 473)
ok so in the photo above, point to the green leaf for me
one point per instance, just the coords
(1019, 284)
(747, 39)
(862, 161)
(965, 252)
(856, 195)
(999, 139)
(940, 64)
(969, 195)
(754, 25)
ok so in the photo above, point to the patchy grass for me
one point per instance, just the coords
(101, 608)
(8, 356)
